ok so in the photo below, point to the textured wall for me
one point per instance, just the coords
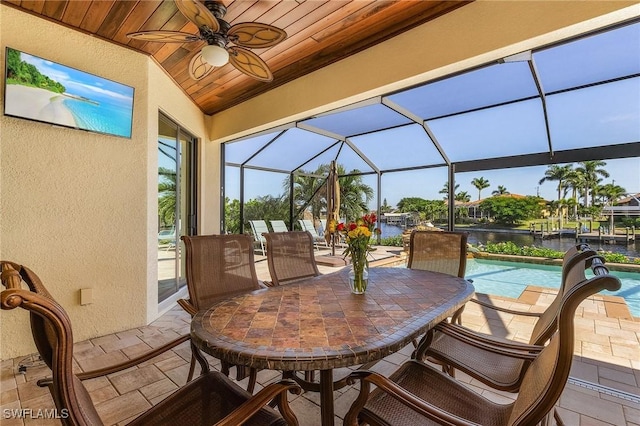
(80, 208)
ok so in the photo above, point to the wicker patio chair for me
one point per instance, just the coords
(490, 359)
(212, 398)
(444, 252)
(290, 256)
(417, 394)
(218, 266)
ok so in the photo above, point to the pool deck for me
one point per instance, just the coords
(603, 388)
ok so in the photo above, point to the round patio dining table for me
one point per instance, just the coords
(318, 324)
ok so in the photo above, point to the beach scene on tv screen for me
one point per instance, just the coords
(43, 90)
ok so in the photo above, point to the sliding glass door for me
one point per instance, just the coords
(176, 203)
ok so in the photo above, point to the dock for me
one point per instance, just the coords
(604, 235)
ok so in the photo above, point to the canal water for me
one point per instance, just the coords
(526, 239)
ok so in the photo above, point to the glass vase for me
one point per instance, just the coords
(359, 276)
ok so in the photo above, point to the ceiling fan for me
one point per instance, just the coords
(225, 43)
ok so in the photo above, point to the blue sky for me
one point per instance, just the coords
(81, 83)
(427, 183)
(591, 99)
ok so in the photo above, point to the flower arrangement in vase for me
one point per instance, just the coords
(358, 238)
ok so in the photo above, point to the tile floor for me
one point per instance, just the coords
(603, 388)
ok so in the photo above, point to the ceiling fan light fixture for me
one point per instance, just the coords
(215, 55)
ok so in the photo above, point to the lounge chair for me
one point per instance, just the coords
(279, 226)
(307, 225)
(258, 227)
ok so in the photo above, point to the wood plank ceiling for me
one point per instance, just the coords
(319, 32)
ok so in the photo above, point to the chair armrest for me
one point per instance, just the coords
(135, 361)
(489, 343)
(261, 399)
(406, 398)
(126, 364)
(187, 306)
(506, 310)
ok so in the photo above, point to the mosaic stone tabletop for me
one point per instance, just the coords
(318, 324)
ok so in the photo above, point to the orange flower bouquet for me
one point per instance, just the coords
(358, 238)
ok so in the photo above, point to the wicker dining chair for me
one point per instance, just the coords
(418, 394)
(218, 266)
(489, 358)
(290, 256)
(212, 398)
(439, 251)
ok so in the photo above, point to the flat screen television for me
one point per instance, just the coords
(42, 90)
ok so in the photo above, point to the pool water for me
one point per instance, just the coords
(511, 278)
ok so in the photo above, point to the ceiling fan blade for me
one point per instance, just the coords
(197, 13)
(249, 63)
(164, 36)
(256, 35)
(199, 68)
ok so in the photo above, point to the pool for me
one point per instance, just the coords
(511, 278)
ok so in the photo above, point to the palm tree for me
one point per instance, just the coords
(557, 173)
(502, 190)
(355, 195)
(612, 192)
(445, 189)
(166, 196)
(574, 182)
(480, 184)
(306, 192)
(591, 172)
(463, 196)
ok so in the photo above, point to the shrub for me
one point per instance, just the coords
(614, 257)
(395, 241)
(511, 248)
(532, 251)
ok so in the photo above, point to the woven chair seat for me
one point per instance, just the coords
(496, 369)
(439, 389)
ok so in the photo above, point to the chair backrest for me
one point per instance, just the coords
(547, 375)
(53, 336)
(573, 266)
(444, 252)
(218, 266)
(290, 256)
(279, 226)
(258, 227)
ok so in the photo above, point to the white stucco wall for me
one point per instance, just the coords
(79, 208)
